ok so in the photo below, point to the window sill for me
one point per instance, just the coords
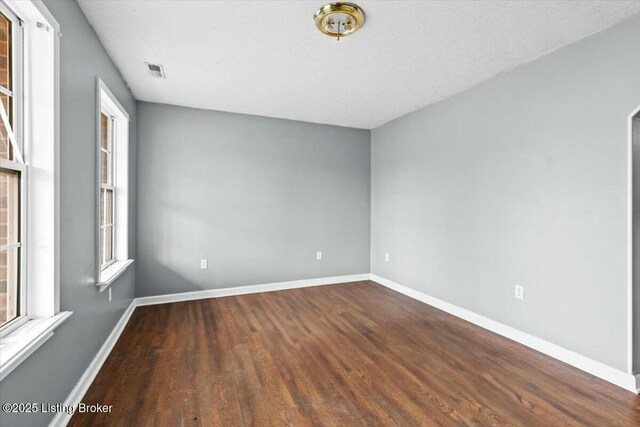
(25, 339)
(111, 273)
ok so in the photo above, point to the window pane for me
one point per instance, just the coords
(103, 252)
(5, 144)
(105, 156)
(106, 244)
(109, 243)
(102, 190)
(104, 131)
(5, 52)
(9, 206)
(104, 167)
(108, 207)
(101, 232)
(5, 81)
(9, 290)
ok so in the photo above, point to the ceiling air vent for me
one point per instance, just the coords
(155, 70)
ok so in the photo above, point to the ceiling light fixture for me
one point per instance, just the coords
(339, 19)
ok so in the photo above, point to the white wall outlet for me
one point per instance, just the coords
(319, 255)
(203, 264)
(110, 295)
(386, 257)
(519, 292)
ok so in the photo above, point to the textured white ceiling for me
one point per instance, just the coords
(267, 57)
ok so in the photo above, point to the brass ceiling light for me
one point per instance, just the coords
(339, 19)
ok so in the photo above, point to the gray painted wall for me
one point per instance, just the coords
(520, 180)
(49, 374)
(255, 196)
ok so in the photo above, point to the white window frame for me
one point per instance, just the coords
(17, 164)
(37, 131)
(107, 103)
(110, 185)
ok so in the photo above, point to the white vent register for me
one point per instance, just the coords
(155, 70)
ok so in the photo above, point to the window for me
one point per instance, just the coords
(113, 206)
(12, 170)
(29, 176)
(107, 189)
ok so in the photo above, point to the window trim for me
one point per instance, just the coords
(108, 104)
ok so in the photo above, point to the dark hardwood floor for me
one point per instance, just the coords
(348, 354)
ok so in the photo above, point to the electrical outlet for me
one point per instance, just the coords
(319, 255)
(110, 295)
(203, 264)
(519, 292)
(386, 257)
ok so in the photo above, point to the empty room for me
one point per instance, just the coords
(306, 213)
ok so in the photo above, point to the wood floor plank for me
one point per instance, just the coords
(348, 354)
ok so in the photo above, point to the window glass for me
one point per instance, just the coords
(5, 52)
(9, 244)
(5, 82)
(106, 191)
(10, 186)
(9, 289)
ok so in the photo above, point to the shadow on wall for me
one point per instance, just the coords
(171, 276)
(245, 237)
(188, 232)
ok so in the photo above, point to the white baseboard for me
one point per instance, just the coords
(600, 370)
(614, 376)
(252, 289)
(78, 392)
(62, 418)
